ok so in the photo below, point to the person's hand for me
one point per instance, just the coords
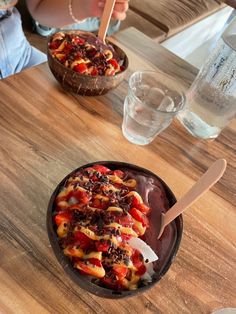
(54, 13)
(120, 8)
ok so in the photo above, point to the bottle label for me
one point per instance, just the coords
(220, 69)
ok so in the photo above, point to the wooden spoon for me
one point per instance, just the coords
(209, 178)
(105, 20)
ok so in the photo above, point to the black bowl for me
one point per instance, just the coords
(82, 84)
(166, 247)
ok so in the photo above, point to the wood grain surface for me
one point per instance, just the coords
(136, 20)
(231, 3)
(173, 16)
(45, 133)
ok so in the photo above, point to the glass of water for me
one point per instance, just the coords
(153, 100)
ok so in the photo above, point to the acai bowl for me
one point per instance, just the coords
(101, 223)
(85, 65)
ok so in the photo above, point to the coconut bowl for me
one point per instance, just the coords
(83, 84)
(166, 247)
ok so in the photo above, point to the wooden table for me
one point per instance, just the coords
(46, 133)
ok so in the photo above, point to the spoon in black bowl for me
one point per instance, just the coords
(207, 180)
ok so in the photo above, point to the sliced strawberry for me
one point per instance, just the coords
(135, 201)
(91, 173)
(81, 68)
(141, 270)
(124, 220)
(62, 217)
(118, 173)
(95, 261)
(143, 208)
(81, 196)
(102, 169)
(114, 63)
(110, 282)
(120, 271)
(94, 72)
(99, 203)
(82, 240)
(102, 246)
(137, 259)
(94, 177)
(89, 170)
(78, 41)
(89, 269)
(54, 44)
(125, 237)
(68, 48)
(139, 216)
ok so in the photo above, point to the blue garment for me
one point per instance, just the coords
(90, 24)
(16, 53)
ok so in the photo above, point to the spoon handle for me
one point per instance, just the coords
(105, 20)
(209, 178)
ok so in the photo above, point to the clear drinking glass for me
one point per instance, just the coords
(153, 100)
(211, 99)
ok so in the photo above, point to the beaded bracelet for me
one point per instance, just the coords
(72, 14)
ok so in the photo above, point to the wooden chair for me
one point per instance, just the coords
(163, 18)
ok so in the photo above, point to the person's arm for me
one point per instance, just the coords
(54, 13)
(4, 5)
